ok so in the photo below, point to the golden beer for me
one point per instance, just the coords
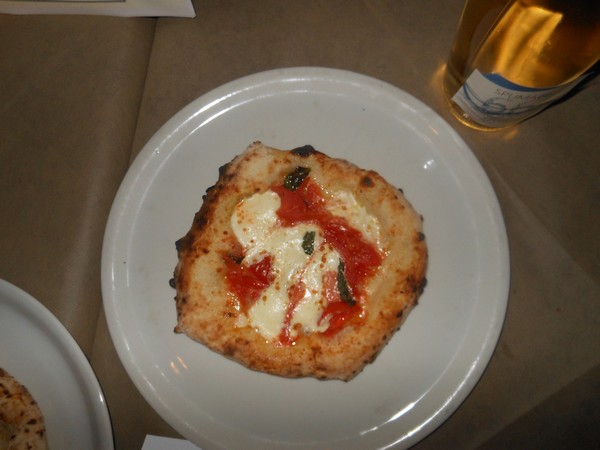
(512, 58)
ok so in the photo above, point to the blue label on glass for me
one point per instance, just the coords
(492, 100)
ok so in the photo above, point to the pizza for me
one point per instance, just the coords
(299, 264)
(21, 420)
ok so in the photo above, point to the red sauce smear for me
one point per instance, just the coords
(361, 259)
(307, 205)
(337, 311)
(248, 282)
(295, 294)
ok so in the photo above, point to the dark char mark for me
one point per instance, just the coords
(304, 151)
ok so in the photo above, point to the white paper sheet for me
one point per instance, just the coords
(163, 443)
(124, 8)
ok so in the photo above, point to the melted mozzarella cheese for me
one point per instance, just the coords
(290, 265)
(254, 218)
(344, 204)
(257, 228)
(309, 311)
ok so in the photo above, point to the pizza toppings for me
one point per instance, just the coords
(299, 264)
(342, 285)
(247, 282)
(304, 252)
(293, 179)
(308, 242)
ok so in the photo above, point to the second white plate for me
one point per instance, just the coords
(38, 351)
(431, 364)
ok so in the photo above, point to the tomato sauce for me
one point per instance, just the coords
(248, 282)
(307, 204)
(338, 312)
(295, 295)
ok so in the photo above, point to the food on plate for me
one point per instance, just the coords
(299, 264)
(21, 420)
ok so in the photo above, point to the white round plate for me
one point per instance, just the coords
(38, 351)
(430, 365)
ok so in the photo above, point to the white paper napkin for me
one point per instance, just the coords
(163, 443)
(124, 8)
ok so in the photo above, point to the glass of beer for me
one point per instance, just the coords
(513, 58)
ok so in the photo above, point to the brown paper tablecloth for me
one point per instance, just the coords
(82, 95)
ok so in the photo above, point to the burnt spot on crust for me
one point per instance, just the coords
(242, 342)
(172, 283)
(183, 243)
(235, 257)
(226, 173)
(422, 286)
(420, 236)
(367, 181)
(304, 151)
(200, 221)
(229, 349)
(413, 284)
(224, 168)
(178, 244)
(316, 352)
(210, 188)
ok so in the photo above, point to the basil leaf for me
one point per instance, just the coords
(295, 178)
(308, 242)
(342, 285)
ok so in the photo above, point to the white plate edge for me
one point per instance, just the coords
(77, 358)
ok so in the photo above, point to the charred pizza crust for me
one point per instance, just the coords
(21, 420)
(207, 313)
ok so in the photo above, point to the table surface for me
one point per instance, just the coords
(82, 95)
